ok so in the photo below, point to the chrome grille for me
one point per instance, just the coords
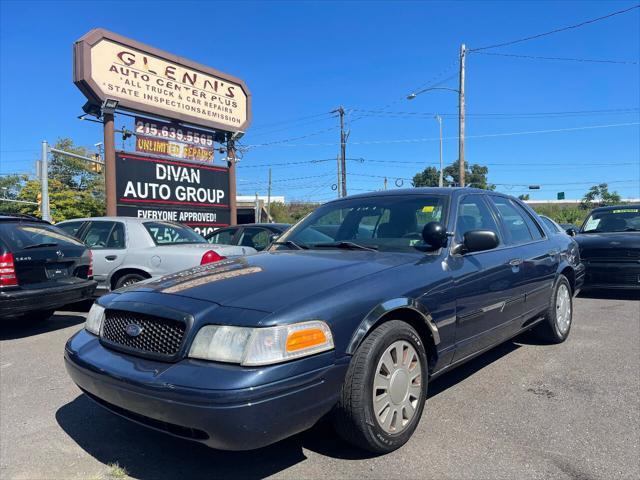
(157, 336)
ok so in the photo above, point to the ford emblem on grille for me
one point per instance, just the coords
(133, 330)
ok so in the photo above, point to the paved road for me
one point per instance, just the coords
(523, 410)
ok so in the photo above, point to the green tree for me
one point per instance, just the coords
(524, 196)
(75, 189)
(291, 212)
(475, 176)
(599, 196)
(429, 177)
(10, 187)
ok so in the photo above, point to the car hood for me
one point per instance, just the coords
(270, 281)
(608, 244)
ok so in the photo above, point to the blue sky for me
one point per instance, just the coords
(303, 59)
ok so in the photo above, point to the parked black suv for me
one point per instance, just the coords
(41, 268)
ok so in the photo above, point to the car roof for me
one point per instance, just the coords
(265, 225)
(448, 191)
(119, 219)
(18, 217)
(616, 207)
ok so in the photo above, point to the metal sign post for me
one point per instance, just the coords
(110, 164)
(44, 182)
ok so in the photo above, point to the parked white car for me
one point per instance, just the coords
(127, 250)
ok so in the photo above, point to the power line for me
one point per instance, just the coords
(487, 135)
(557, 30)
(565, 59)
(504, 115)
(293, 120)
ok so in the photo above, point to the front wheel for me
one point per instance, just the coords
(385, 389)
(557, 323)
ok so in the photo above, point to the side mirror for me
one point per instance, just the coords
(571, 232)
(479, 240)
(435, 234)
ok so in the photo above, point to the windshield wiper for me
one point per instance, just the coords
(41, 245)
(345, 245)
(291, 243)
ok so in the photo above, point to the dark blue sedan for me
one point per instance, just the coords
(350, 313)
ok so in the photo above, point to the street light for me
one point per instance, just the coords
(413, 95)
(440, 180)
(109, 106)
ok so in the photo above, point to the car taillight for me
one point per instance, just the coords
(7, 271)
(90, 271)
(211, 257)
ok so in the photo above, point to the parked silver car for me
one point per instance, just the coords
(127, 250)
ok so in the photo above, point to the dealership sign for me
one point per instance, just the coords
(161, 138)
(145, 79)
(162, 189)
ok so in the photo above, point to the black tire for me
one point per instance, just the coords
(128, 279)
(549, 329)
(354, 418)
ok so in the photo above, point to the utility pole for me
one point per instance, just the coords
(110, 164)
(441, 179)
(231, 163)
(269, 198)
(385, 183)
(44, 182)
(343, 151)
(338, 184)
(463, 52)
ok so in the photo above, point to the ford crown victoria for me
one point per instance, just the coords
(350, 313)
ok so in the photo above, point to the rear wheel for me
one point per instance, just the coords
(128, 279)
(557, 323)
(385, 389)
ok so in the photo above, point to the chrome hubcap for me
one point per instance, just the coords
(563, 309)
(397, 386)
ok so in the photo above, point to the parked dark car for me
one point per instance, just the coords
(246, 352)
(254, 235)
(609, 242)
(41, 268)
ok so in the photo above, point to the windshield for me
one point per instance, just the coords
(390, 222)
(617, 220)
(18, 236)
(165, 233)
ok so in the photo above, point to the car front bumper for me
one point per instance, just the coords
(14, 303)
(612, 275)
(228, 419)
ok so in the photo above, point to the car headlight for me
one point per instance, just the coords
(261, 346)
(95, 317)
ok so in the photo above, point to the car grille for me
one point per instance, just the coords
(159, 337)
(610, 254)
(613, 278)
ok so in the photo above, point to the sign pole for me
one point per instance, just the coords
(110, 164)
(231, 163)
(44, 182)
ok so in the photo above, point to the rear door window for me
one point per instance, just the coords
(257, 238)
(514, 221)
(223, 236)
(104, 234)
(72, 228)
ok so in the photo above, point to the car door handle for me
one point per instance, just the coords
(516, 262)
(110, 258)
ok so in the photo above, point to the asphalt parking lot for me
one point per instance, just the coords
(523, 410)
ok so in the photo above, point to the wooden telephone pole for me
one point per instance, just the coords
(343, 153)
(463, 51)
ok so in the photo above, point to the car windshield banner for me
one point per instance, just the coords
(161, 189)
